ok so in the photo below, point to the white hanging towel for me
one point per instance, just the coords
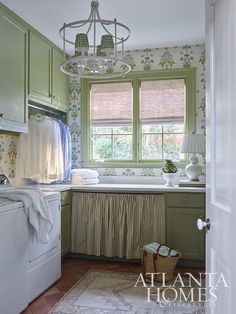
(36, 208)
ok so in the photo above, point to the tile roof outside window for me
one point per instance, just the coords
(111, 104)
(162, 101)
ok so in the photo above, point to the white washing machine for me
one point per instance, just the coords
(44, 260)
(14, 257)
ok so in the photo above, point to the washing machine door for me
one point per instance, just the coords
(38, 249)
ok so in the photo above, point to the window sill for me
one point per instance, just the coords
(129, 164)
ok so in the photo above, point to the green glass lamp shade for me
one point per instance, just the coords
(107, 44)
(81, 42)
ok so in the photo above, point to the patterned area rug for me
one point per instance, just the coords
(106, 292)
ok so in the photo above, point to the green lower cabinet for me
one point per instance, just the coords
(181, 225)
(65, 228)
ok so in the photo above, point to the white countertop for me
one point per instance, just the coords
(119, 188)
(134, 188)
(112, 187)
(51, 191)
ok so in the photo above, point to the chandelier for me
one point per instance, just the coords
(91, 47)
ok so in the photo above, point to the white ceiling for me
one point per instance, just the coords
(153, 23)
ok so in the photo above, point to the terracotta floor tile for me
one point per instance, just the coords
(75, 278)
(27, 311)
(52, 299)
(64, 285)
(84, 268)
(51, 290)
(40, 306)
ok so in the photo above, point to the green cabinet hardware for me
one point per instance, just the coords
(182, 212)
(13, 74)
(65, 222)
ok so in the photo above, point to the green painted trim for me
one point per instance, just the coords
(85, 126)
(26, 78)
(149, 75)
(50, 73)
(136, 128)
(47, 104)
(135, 77)
(130, 164)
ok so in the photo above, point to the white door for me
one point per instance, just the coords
(221, 151)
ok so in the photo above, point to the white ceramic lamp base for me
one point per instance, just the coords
(193, 170)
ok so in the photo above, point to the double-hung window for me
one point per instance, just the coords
(138, 120)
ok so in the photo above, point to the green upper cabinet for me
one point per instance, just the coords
(13, 74)
(59, 82)
(39, 68)
(47, 84)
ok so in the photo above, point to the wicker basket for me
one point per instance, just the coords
(156, 263)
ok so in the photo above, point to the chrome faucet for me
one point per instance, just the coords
(4, 180)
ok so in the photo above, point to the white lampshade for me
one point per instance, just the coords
(193, 143)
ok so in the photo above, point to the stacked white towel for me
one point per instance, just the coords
(36, 208)
(84, 176)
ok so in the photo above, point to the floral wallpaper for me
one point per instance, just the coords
(8, 152)
(139, 60)
(146, 60)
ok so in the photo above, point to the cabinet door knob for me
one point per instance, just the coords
(1, 115)
(185, 200)
(203, 224)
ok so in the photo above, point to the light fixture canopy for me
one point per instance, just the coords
(91, 47)
(193, 144)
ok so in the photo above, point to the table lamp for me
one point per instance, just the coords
(193, 144)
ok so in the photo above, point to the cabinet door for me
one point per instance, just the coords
(182, 232)
(59, 82)
(39, 68)
(13, 73)
(65, 229)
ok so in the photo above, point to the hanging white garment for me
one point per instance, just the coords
(40, 156)
(53, 168)
(27, 162)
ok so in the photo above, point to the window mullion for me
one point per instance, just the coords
(112, 142)
(136, 123)
(162, 142)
